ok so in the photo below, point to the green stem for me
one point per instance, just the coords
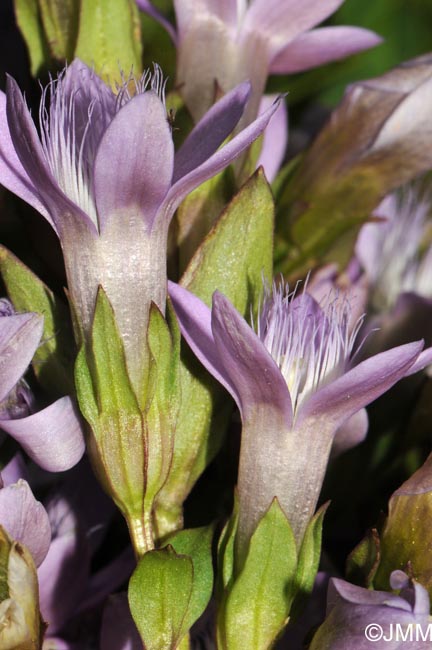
(141, 533)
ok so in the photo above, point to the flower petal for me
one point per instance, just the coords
(25, 519)
(53, 437)
(14, 470)
(340, 399)
(191, 11)
(351, 610)
(216, 125)
(29, 150)
(320, 46)
(19, 337)
(218, 161)
(94, 105)
(12, 174)
(280, 22)
(62, 579)
(147, 7)
(250, 368)
(139, 143)
(108, 579)
(118, 628)
(194, 318)
(351, 433)
(275, 138)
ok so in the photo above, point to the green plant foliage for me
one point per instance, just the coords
(53, 359)
(109, 38)
(258, 604)
(160, 592)
(234, 258)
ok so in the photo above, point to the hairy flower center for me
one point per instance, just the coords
(74, 115)
(397, 264)
(310, 344)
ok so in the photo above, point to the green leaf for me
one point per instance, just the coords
(369, 147)
(363, 561)
(259, 602)
(405, 541)
(237, 253)
(226, 553)
(163, 397)
(234, 258)
(196, 544)
(60, 21)
(159, 594)
(198, 213)
(118, 442)
(30, 24)
(308, 560)
(84, 387)
(112, 383)
(53, 360)
(109, 38)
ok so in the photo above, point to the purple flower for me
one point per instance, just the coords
(390, 250)
(52, 437)
(293, 382)
(104, 174)
(397, 264)
(358, 619)
(25, 519)
(220, 44)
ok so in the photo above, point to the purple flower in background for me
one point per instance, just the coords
(104, 174)
(52, 437)
(294, 385)
(222, 43)
(390, 250)
(358, 619)
(396, 256)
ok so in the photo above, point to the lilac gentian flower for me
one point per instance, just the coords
(396, 256)
(52, 437)
(359, 619)
(105, 176)
(220, 44)
(389, 250)
(294, 385)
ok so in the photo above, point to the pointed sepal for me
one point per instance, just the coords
(258, 604)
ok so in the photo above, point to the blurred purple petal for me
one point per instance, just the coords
(320, 46)
(212, 130)
(62, 579)
(147, 7)
(19, 337)
(352, 611)
(141, 175)
(14, 470)
(109, 579)
(351, 433)
(118, 628)
(25, 519)
(275, 138)
(53, 437)
(281, 22)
